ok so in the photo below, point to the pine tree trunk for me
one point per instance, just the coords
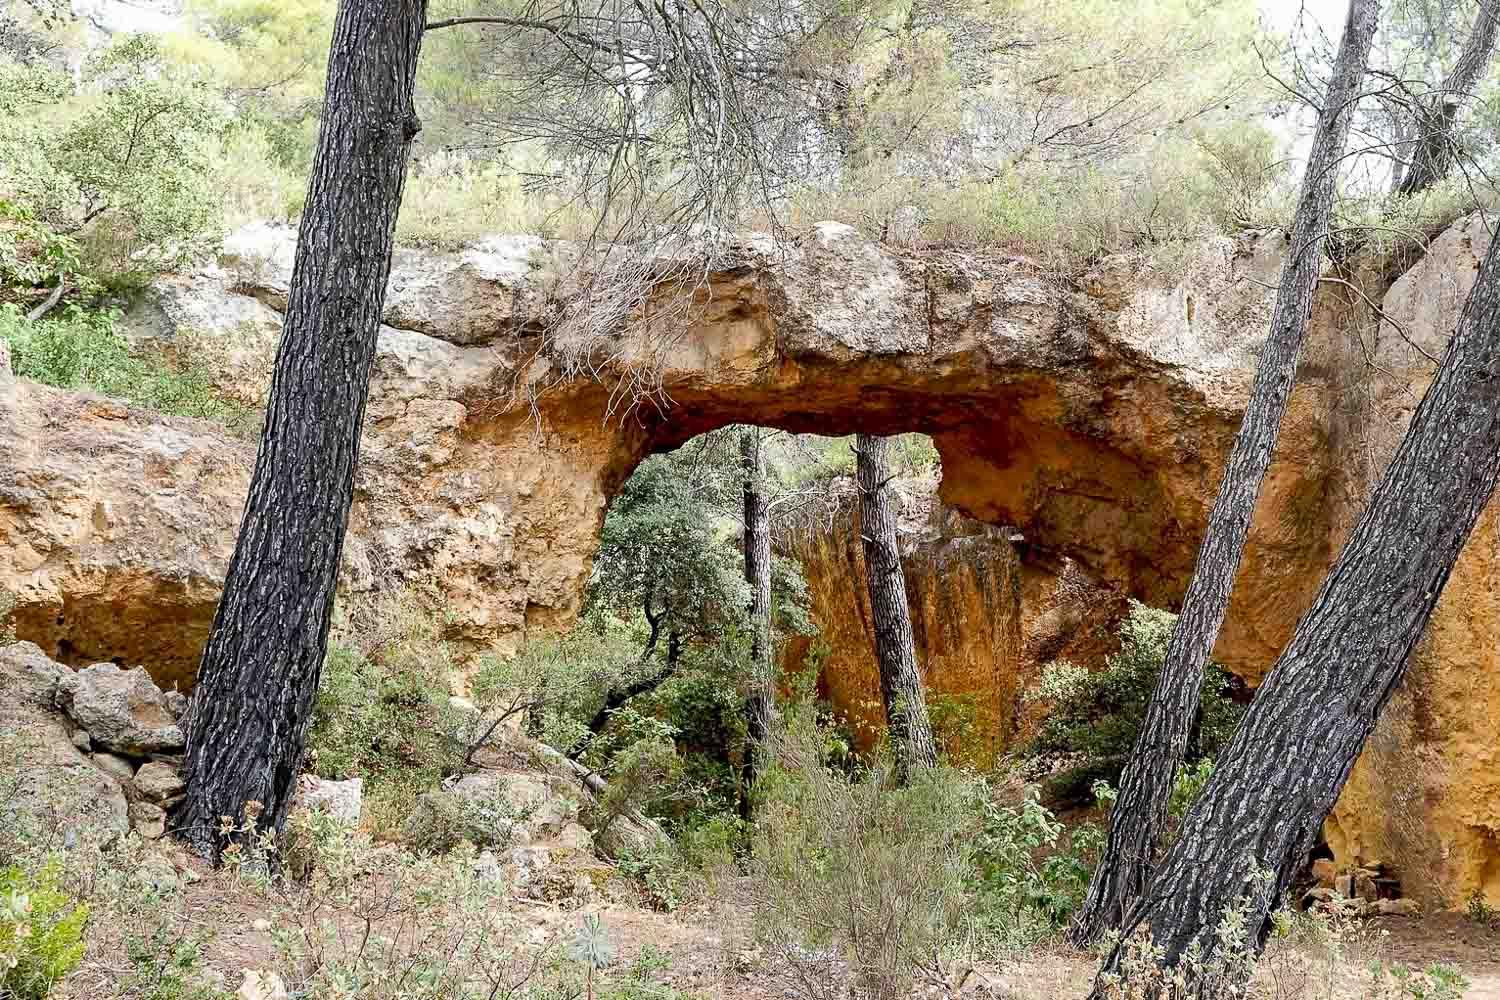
(1140, 811)
(760, 703)
(259, 673)
(1274, 784)
(900, 681)
(1432, 125)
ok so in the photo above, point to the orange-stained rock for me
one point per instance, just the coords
(963, 584)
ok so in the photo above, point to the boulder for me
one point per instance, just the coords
(52, 790)
(148, 819)
(574, 837)
(342, 800)
(121, 709)
(259, 985)
(116, 767)
(625, 836)
(531, 806)
(159, 782)
(1404, 907)
(28, 675)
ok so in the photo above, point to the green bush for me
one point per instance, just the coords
(41, 929)
(1094, 717)
(123, 157)
(379, 723)
(382, 711)
(438, 821)
(81, 349)
(857, 871)
(1030, 872)
(558, 682)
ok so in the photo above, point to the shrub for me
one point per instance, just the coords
(854, 878)
(382, 710)
(1094, 717)
(1030, 873)
(379, 723)
(41, 929)
(558, 682)
(81, 349)
(439, 821)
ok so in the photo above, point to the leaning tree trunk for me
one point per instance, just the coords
(1140, 811)
(900, 681)
(1274, 784)
(259, 672)
(1432, 120)
(760, 702)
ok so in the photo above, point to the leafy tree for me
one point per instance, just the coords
(268, 58)
(127, 170)
(664, 554)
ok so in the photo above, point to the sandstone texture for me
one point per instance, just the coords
(963, 583)
(1092, 417)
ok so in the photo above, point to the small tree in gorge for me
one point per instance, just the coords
(901, 687)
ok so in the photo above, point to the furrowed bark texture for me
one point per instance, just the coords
(1274, 784)
(1140, 811)
(1433, 155)
(900, 681)
(259, 672)
(760, 703)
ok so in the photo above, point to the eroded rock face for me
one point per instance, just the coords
(1093, 417)
(963, 582)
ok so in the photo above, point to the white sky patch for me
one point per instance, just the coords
(1283, 14)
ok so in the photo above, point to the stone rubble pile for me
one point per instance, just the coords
(100, 756)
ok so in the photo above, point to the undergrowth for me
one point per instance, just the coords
(81, 348)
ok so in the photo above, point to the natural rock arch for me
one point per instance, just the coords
(1092, 415)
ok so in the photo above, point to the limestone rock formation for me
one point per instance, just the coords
(122, 710)
(51, 790)
(963, 581)
(1092, 416)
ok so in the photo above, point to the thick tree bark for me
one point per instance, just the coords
(900, 681)
(760, 702)
(260, 669)
(1140, 811)
(1274, 784)
(1432, 124)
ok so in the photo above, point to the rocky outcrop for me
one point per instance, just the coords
(987, 614)
(1092, 416)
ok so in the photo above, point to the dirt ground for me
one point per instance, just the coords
(706, 949)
